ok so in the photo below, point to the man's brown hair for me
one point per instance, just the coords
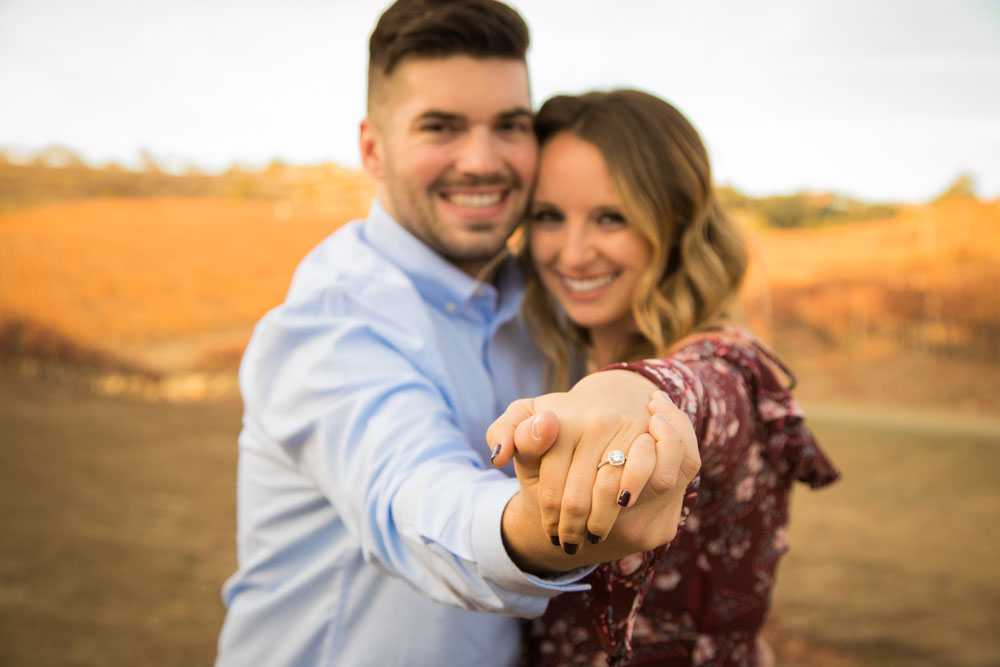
(441, 28)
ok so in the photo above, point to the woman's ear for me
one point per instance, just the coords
(370, 140)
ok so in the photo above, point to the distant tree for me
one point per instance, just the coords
(964, 186)
(785, 211)
(57, 156)
(148, 163)
(732, 198)
(276, 167)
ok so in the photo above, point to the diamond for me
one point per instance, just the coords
(616, 457)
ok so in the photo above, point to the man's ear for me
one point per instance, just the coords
(371, 149)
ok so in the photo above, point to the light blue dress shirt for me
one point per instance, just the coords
(368, 514)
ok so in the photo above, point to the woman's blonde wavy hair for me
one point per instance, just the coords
(661, 171)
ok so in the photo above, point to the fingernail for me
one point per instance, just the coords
(624, 498)
(496, 451)
(593, 539)
(555, 540)
(569, 548)
(536, 426)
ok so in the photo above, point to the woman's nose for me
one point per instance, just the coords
(578, 250)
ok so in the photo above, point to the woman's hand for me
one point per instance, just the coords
(559, 460)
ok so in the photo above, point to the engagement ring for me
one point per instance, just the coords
(616, 457)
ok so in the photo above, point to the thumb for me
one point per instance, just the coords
(534, 436)
(500, 434)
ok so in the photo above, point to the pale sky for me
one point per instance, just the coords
(885, 100)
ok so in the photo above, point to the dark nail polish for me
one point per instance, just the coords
(624, 498)
(555, 540)
(569, 548)
(496, 450)
(593, 539)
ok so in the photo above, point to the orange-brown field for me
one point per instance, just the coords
(924, 280)
(159, 282)
(175, 285)
(120, 511)
(119, 272)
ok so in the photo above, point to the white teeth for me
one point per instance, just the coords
(587, 284)
(474, 199)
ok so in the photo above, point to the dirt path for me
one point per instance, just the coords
(118, 532)
(941, 424)
(118, 527)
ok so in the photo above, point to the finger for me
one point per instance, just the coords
(576, 499)
(680, 423)
(638, 468)
(670, 452)
(552, 474)
(665, 408)
(613, 489)
(604, 507)
(691, 463)
(659, 401)
(500, 434)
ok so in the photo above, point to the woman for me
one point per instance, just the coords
(629, 257)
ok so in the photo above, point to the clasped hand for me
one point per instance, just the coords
(573, 511)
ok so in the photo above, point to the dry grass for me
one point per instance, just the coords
(923, 281)
(178, 283)
(158, 281)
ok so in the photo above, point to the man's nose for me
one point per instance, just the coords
(479, 153)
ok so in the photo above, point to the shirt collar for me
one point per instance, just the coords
(439, 282)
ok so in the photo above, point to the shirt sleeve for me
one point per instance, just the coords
(347, 392)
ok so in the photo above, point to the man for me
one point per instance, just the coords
(372, 530)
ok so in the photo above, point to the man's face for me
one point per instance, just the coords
(451, 146)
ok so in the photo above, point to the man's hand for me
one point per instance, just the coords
(565, 499)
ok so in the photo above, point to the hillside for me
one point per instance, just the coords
(894, 311)
(174, 285)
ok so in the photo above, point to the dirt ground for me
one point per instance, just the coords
(119, 521)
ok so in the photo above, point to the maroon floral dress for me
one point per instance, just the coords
(702, 599)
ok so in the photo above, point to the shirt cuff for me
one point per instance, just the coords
(491, 555)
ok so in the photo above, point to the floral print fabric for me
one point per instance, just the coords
(702, 599)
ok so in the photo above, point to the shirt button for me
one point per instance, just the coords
(450, 307)
(479, 291)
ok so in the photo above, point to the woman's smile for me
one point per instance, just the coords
(588, 286)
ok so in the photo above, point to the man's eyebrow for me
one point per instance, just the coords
(434, 114)
(518, 112)
(508, 114)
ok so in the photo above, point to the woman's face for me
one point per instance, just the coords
(588, 256)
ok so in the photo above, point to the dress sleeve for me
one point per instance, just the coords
(730, 387)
